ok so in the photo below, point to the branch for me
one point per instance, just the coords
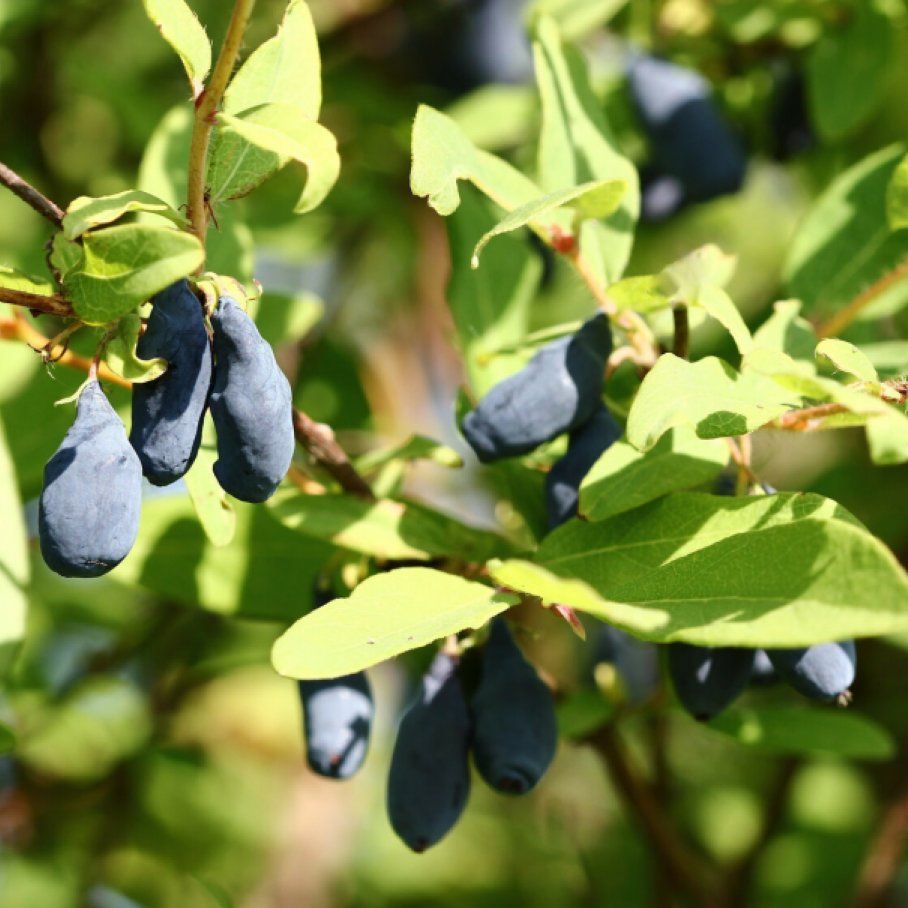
(207, 104)
(805, 420)
(20, 329)
(683, 867)
(740, 876)
(682, 330)
(844, 317)
(638, 331)
(31, 196)
(319, 441)
(50, 305)
(883, 859)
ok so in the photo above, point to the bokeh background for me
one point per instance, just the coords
(158, 758)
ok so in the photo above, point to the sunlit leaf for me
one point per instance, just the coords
(180, 28)
(386, 615)
(123, 266)
(775, 570)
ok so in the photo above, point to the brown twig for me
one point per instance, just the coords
(638, 332)
(50, 305)
(837, 323)
(31, 196)
(207, 104)
(318, 439)
(20, 329)
(684, 868)
(807, 419)
(682, 331)
(738, 881)
(884, 855)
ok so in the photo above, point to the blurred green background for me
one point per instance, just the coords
(158, 758)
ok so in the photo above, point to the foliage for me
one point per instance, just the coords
(407, 218)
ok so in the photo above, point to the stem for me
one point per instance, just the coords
(883, 860)
(682, 330)
(844, 317)
(20, 329)
(31, 196)
(804, 420)
(207, 104)
(319, 441)
(50, 305)
(638, 331)
(681, 865)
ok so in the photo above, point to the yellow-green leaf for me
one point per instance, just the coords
(180, 28)
(386, 615)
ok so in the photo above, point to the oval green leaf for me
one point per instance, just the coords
(386, 615)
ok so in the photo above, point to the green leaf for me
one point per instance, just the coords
(845, 243)
(442, 155)
(14, 563)
(124, 266)
(645, 293)
(101, 722)
(806, 730)
(212, 504)
(786, 331)
(120, 354)
(388, 614)
(416, 447)
(85, 212)
(887, 436)
(848, 68)
(771, 571)
(180, 28)
(162, 171)
(719, 305)
(698, 279)
(706, 266)
(624, 478)
(12, 279)
(64, 255)
(847, 358)
(490, 307)
(174, 558)
(596, 199)
(7, 739)
(897, 197)
(284, 70)
(576, 18)
(249, 148)
(384, 528)
(576, 146)
(708, 395)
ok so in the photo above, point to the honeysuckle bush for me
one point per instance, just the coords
(758, 344)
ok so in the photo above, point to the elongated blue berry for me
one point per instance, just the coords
(88, 514)
(515, 734)
(587, 444)
(707, 679)
(337, 723)
(251, 406)
(824, 671)
(167, 412)
(429, 779)
(558, 390)
(695, 155)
